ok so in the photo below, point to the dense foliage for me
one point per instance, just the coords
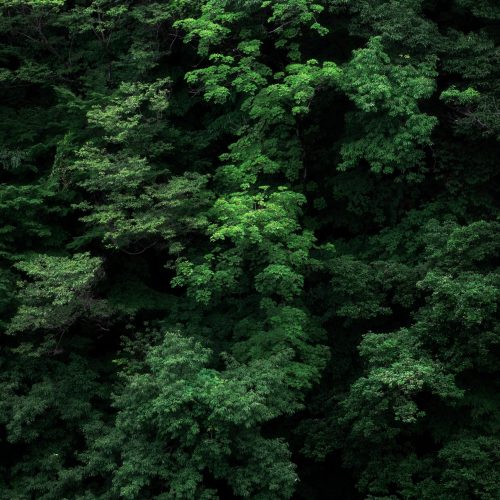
(249, 249)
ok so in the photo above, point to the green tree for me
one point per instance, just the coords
(249, 249)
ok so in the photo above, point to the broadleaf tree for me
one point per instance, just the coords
(249, 249)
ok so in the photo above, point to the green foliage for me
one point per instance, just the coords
(57, 293)
(189, 414)
(378, 87)
(249, 249)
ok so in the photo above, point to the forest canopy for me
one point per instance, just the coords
(249, 249)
